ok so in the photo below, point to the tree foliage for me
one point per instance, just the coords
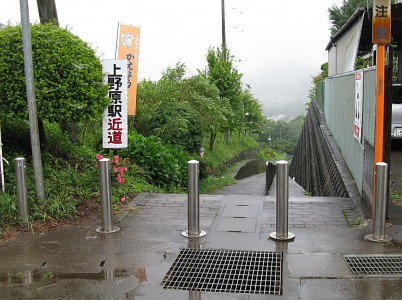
(339, 15)
(218, 104)
(67, 75)
(317, 79)
(253, 118)
(282, 135)
(221, 72)
(178, 124)
(246, 110)
(174, 87)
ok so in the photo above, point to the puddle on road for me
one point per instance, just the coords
(28, 277)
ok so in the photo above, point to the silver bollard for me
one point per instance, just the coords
(381, 188)
(193, 198)
(282, 199)
(106, 197)
(22, 190)
(194, 295)
(266, 178)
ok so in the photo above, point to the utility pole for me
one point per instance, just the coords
(32, 111)
(223, 25)
(47, 11)
(226, 135)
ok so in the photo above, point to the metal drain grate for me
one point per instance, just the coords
(229, 271)
(375, 265)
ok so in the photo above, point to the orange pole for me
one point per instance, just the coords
(379, 114)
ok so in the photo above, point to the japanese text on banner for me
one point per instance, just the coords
(129, 45)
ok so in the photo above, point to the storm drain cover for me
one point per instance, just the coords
(375, 265)
(229, 271)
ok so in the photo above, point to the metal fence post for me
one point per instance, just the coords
(193, 199)
(282, 199)
(381, 187)
(22, 190)
(106, 197)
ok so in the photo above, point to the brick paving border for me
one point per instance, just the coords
(158, 207)
(317, 212)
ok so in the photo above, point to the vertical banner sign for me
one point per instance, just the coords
(115, 123)
(381, 30)
(357, 132)
(129, 45)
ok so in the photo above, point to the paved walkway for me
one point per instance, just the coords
(78, 263)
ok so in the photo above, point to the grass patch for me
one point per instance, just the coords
(216, 175)
(212, 183)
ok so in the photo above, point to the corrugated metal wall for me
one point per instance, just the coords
(369, 105)
(339, 107)
(369, 133)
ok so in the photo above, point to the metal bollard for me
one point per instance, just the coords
(194, 295)
(193, 198)
(22, 190)
(266, 178)
(381, 187)
(106, 197)
(282, 199)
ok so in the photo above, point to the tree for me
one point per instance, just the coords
(221, 72)
(67, 74)
(283, 135)
(174, 87)
(253, 118)
(152, 94)
(338, 16)
(316, 81)
(214, 111)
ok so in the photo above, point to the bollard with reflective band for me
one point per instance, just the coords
(106, 197)
(193, 198)
(22, 190)
(282, 200)
(381, 187)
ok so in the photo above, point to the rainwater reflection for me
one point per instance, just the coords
(32, 276)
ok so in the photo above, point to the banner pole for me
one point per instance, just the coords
(117, 40)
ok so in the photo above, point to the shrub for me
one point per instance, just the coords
(178, 124)
(267, 154)
(68, 75)
(164, 165)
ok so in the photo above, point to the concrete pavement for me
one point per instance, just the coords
(76, 262)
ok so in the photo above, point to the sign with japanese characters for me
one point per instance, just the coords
(357, 131)
(115, 123)
(381, 31)
(129, 45)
